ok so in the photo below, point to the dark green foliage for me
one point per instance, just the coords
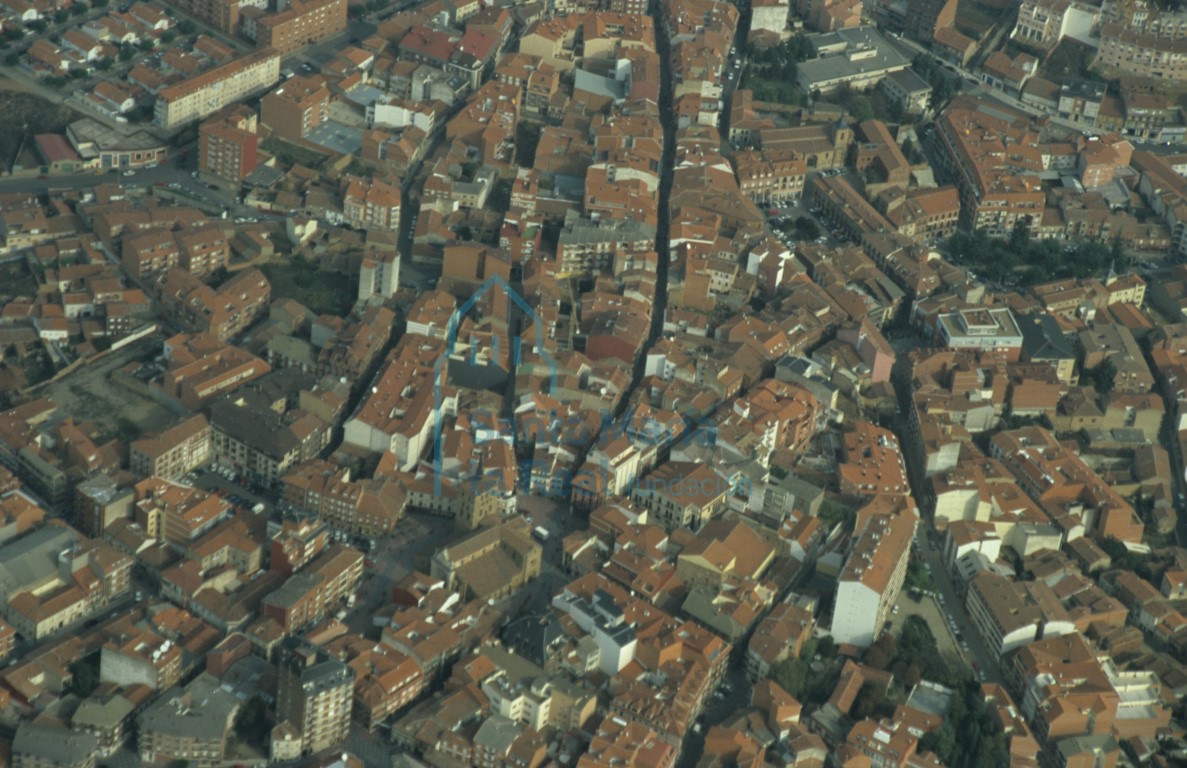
(252, 724)
(1125, 560)
(918, 577)
(806, 228)
(1029, 261)
(527, 137)
(944, 84)
(1103, 377)
(916, 648)
(84, 676)
(970, 736)
(771, 72)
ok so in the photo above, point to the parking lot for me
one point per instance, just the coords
(782, 213)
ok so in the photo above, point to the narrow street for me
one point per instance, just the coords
(667, 116)
(949, 602)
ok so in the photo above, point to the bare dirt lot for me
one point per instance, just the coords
(89, 393)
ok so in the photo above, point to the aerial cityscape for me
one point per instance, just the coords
(593, 383)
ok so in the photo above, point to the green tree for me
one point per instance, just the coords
(104, 64)
(61, 15)
(527, 138)
(806, 228)
(942, 742)
(1020, 234)
(12, 59)
(869, 702)
(127, 51)
(1103, 377)
(219, 276)
(187, 27)
(145, 45)
(39, 25)
(84, 676)
(79, 9)
(168, 37)
(791, 675)
(251, 723)
(127, 431)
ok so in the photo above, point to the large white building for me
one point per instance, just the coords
(1009, 615)
(210, 91)
(859, 57)
(603, 620)
(769, 15)
(872, 579)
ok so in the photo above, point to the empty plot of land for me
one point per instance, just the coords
(90, 394)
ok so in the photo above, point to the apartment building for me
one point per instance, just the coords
(190, 724)
(301, 538)
(298, 106)
(386, 680)
(770, 176)
(371, 204)
(873, 463)
(359, 507)
(1068, 690)
(1166, 190)
(399, 413)
(202, 368)
(148, 254)
(255, 440)
(302, 23)
(908, 90)
(311, 594)
(872, 578)
(223, 15)
(228, 144)
(1043, 23)
(1060, 481)
(997, 163)
(1009, 614)
(176, 513)
(199, 250)
(174, 452)
(379, 274)
(221, 312)
(141, 657)
(683, 494)
(1142, 54)
(779, 636)
(315, 696)
(206, 93)
(44, 745)
(926, 214)
(51, 578)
